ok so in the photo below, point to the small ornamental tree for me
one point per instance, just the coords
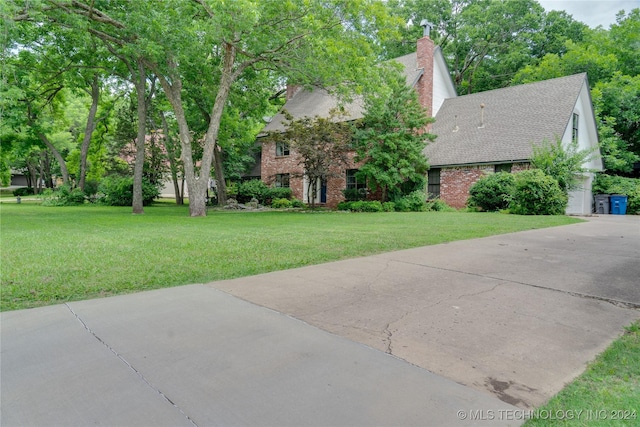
(391, 137)
(564, 164)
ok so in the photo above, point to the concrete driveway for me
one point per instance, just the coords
(516, 315)
(513, 317)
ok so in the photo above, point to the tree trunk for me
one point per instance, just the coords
(88, 132)
(171, 155)
(221, 188)
(141, 86)
(63, 165)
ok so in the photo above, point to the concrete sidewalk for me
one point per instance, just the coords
(195, 356)
(514, 317)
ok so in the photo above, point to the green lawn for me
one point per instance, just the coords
(51, 255)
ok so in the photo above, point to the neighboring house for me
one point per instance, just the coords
(495, 131)
(425, 70)
(476, 134)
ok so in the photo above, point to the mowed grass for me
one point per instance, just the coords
(56, 254)
(607, 393)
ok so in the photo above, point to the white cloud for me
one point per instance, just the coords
(592, 12)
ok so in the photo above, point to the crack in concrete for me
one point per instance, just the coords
(123, 360)
(617, 303)
(387, 331)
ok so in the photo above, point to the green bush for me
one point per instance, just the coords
(25, 191)
(612, 184)
(439, 206)
(118, 191)
(537, 194)
(254, 188)
(295, 203)
(281, 203)
(412, 202)
(361, 206)
(492, 192)
(279, 193)
(63, 196)
(388, 206)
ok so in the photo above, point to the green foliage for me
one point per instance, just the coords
(296, 203)
(24, 191)
(353, 194)
(281, 203)
(537, 194)
(492, 192)
(412, 202)
(388, 206)
(254, 188)
(390, 138)
(63, 196)
(279, 193)
(439, 205)
(361, 206)
(118, 191)
(564, 164)
(611, 184)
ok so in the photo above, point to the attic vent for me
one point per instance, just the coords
(481, 116)
(455, 124)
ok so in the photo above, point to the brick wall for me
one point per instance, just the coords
(272, 165)
(455, 182)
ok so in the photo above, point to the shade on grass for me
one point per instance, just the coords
(52, 255)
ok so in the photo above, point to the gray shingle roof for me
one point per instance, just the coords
(514, 119)
(319, 102)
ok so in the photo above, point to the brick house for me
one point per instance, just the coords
(425, 70)
(496, 130)
(477, 134)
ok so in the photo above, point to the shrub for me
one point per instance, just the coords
(295, 203)
(63, 196)
(611, 184)
(388, 206)
(413, 202)
(254, 188)
(279, 193)
(361, 206)
(281, 203)
(25, 191)
(492, 192)
(537, 194)
(439, 206)
(118, 191)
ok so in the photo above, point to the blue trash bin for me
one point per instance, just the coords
(618, 204)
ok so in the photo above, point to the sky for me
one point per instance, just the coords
(592, 12)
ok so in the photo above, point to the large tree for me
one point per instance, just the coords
(391, 137)
(315, 41)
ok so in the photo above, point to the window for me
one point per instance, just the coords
(354, 183)
(282, 180)
(282, 149)
(505, 167)
(574, 135)
(433, 187)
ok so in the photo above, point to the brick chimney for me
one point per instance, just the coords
(425, 50)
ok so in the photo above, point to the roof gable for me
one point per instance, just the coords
(512, 120)
(319, 102)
